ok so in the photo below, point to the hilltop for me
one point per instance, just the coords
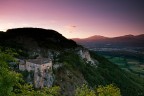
(35, 37)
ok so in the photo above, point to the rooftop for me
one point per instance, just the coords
(39, 60)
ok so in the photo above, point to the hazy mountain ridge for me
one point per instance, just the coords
(126, 40)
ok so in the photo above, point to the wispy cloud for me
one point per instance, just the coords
(70, 28)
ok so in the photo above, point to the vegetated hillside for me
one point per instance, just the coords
(69, 68)
(126, 81)
(105, 73)
(121, 41)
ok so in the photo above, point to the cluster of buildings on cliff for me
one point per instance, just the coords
(42, 69)
(39, 63)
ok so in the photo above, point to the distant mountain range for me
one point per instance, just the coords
(121, 41)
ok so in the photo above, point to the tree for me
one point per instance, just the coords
(84, 91)
(8, 77)
(109, 90)
(52, 91)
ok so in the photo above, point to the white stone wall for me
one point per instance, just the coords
(46, 66)
(22, 67)
(37, 67)
(30, 66)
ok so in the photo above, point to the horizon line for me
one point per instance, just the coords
(74, 37)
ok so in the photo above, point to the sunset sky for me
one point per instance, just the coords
(75, 18)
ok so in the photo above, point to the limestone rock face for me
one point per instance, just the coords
(84, 54)
(43, 79)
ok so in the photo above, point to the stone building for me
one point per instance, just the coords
(35, 64)
(42, 68)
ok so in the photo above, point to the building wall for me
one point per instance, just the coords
(46, 66)
(22, 67)
(29, 66)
